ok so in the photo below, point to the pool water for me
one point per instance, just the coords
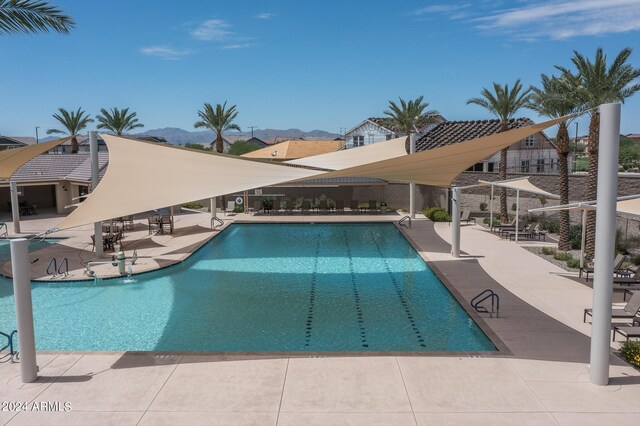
(263, 287)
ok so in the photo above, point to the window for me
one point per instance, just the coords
(530, 142)
(358, 140)
(389, 136)
(478, 167)
(524, 166)
(490, 167)
(540, 165)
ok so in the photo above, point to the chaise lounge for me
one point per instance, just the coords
(629, 311)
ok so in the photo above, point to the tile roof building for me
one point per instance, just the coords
(377, 129)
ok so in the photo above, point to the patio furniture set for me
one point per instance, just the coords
(527, 231)
(287, 206)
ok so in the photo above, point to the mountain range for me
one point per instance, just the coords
(181, 137)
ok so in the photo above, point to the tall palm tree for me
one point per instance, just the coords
(32, 16)
(73, 123)
(219, 120)
(556, 98)
(504, 103)
(118, 121)
(600, 84)
(410, 116)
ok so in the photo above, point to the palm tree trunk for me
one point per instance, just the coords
(219, 146)
(504, 213)
(592, 181)
(74, 145)
(562, 146)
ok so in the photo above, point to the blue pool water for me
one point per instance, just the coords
(257, 287)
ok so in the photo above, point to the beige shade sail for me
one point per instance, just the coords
(440, 166)
(143, 176)
(629, 205)
(12, 159)
(290, 150)
(355, 156)
(520, 184)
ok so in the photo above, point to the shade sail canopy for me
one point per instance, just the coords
(293, 149)
(143, 176)
(440, 166)
(520, 184)
(629, 205)
(355, 156)
(12, 159)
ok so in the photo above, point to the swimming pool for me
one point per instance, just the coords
(263, 287)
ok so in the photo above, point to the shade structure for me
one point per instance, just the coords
(440, 166)
(143, 176)
(353, 157)
(12, 159)
(294, 149)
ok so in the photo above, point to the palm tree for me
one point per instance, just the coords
(504, 104)
(118, 121)
(409, 116)
(556, 98)
(32, 16)
(600, 84)
(73, 122)
(219, 120)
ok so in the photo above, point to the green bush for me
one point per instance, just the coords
(550, 225)
(575, 236)
(630, 352)
(548, 251)
(267, 203)
(563, 255)
(573, 263)
(496, 221)
(192, 205)
(483, 207)
(441, 216)
(430, 211)
(239, 208)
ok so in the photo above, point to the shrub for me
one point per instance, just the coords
(483, 207)
(630, 352)
(550, 225)
(548, 251)
(430, 211)
(239, 208)
(267, 203)
(575, 236)
(192, 205)
(441, 216)
(573, 263)
(496, 221)
(563, 256)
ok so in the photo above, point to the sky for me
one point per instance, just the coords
(301, 64)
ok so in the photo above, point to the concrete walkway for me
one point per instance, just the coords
(543, 382)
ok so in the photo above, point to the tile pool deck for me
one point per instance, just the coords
(543, 379)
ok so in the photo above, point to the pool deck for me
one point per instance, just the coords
(541, 379)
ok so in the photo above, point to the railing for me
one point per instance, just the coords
(402, 221)
(9, 341)
(219, 223)
(4, 231)
(53, 263)
(495, 303)
(65, 263)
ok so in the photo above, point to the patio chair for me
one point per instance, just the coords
(617, 267)
(154, 223)
(526, 232)
(629, 311)
(127, 222)
(166, 222)
(504, 231)
(626, 331)
(464, 217)
(353, 205)
(373, 206)
(231, 206)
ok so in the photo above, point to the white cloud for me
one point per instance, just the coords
(212, 29)
(239, 46)
(165, 52)
(452, 10)
(565, 19)
(265, 15)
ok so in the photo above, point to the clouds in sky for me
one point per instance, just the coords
(211, 29)
(165, 52)
(265, 15)
(555, 20)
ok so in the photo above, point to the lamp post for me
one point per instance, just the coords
(37, 139)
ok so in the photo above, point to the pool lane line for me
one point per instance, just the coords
(356, 294)
(312, 295)
(403, 300)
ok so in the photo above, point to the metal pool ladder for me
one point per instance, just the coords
(495, 303)
(9, 341)
(402, 221)
(219, 223)
(57, 269)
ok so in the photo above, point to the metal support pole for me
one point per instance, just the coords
(95, 179)
(246, 202)
(455, 222)
(583, 239)
(15, 207)
(214, 209)
(605, 242)
(24, 309)
(491, 210)
(412, 186)
(517, 213)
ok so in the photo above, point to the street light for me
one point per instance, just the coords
(37, 139)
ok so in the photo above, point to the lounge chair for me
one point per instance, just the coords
(629, 311)
(538, 232)
(628, 280)
(353, 205)
(231, 206)
(373, 206)
(464, 217)
(527, 232)
(626, 331)
(498, 228)
(505, 230)
(617, 267)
